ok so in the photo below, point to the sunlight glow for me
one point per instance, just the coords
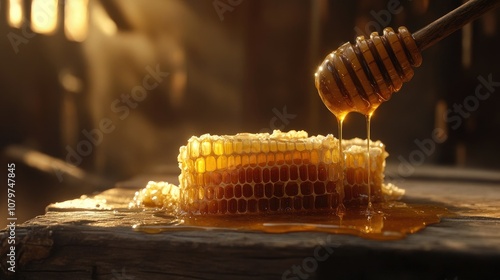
(44, 16)
(76, 15)
(15, 13)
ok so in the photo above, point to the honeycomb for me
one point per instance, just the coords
(157, 195)
(278, 172)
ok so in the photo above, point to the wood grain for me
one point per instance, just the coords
(86, 239)
(451, 22)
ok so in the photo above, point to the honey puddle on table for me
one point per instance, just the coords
(388, 221)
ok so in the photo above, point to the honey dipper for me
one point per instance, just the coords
(359, 77)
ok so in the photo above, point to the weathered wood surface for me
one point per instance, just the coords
(86, 239)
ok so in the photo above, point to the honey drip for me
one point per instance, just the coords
(359, 77)
(388, 221)
(369, 208)
(340, 187)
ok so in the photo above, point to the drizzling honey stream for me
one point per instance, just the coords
(359, 77)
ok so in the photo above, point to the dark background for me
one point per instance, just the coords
(233, 66)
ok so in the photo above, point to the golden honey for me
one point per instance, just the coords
(270, 173)
(359, 77)
(388, 221)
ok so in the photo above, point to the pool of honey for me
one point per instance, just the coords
(387, 221)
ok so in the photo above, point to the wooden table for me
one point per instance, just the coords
(86, 239)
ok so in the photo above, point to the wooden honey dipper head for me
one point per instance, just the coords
(359, 77)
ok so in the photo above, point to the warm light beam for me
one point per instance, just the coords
(15, 13)
(76, 19)
(44, 16)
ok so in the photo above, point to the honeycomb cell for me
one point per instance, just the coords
(297, 203)
(216, 178)
(273, 146)
(314, 157)
(292, 189)
(253, 160)
(294, 172)
(261, 159)
(266, 175)
(238, 146)
(247, 190)
(228, 148)
(229, 191)
(322, 201)
(275, 174)
(200, 165)
(306, 157)
(237, 161)
(257, 175)
(306, 188)
(213, 207)
(308, 202)
(263, 205)
(330, 187)
(319, 187)
(286, 203)
(303, 172)
(234, 176)
(232, 206)
(242, 176)
(252, 205)
(223, 206)
(221, 162)
(264, 146)
(309, 146)
(194, 148)
(274, 204)
(322, 172)
(300, 146)
(271, 159)
(279, 189)
(312, 171)
(245, 160)
(297, 157)
(255, 146)
(247, 146)
(242, 205)
(327, 157)
(238, 192)
(258, 190)
(281, 146)
(226, 177)
(218, 147)
(207, 179)
(203, 207)
(219, 192)
(284, 176)
(280, 158)
(209, 193)
(206, 148)
(249, 175)
(268, 190)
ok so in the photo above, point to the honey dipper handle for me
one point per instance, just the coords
(452, 21)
